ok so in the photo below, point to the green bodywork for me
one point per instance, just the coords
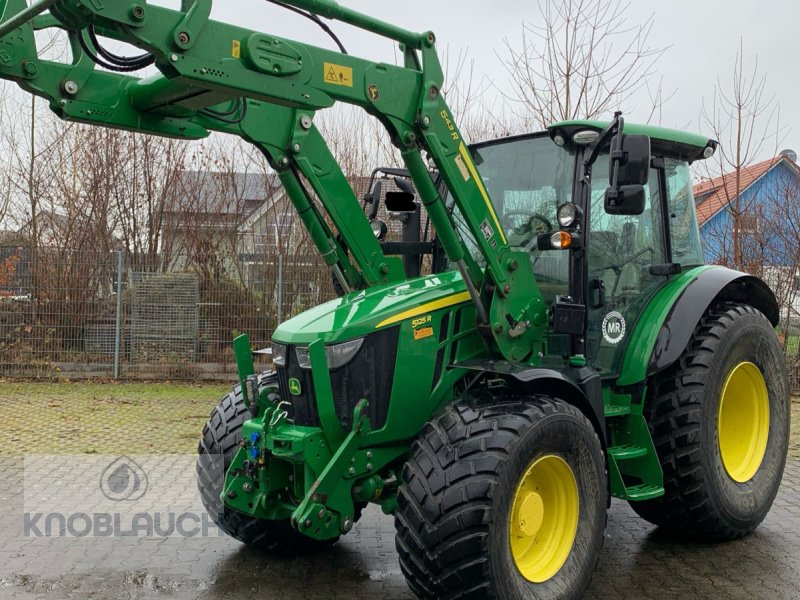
(319, 476)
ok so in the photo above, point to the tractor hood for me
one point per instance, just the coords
(360, 313)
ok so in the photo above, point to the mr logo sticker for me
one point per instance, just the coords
(613, 327)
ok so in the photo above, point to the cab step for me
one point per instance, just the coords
(634, 468)
(627, 451)
(616, 410)
(644, 491)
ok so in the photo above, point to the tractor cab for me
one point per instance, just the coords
(551, 191)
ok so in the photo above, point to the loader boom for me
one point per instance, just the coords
(207, 67)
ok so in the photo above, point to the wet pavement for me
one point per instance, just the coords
(637, 561)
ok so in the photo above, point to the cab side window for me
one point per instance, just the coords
(687, 249)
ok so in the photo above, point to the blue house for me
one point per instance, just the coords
(768, 195)
(766, 199)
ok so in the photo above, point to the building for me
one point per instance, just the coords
(201, 226)
(753, 221)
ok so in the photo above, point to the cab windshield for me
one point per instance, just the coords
(527, 179)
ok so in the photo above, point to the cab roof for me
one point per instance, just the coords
(671, 142)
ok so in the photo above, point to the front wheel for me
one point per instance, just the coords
(503, 500)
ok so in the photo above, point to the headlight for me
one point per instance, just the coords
(303, 359)
(341, 354)
(568, 214)
(337, 356)
(278, 355)
(379, 228)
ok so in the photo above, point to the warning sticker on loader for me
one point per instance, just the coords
(487, 230)
(462, 167)
(338, 75)
(236, 49)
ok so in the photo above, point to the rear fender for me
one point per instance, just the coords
(667, 324)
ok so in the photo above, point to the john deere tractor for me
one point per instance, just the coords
(569, 344)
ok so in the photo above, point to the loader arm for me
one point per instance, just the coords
(282, 84)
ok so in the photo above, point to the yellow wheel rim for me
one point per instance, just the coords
(544, 518)
(743, 422)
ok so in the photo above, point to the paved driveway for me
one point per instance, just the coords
(637, 562)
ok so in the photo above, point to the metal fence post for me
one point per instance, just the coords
(118, 325)
(280, 289)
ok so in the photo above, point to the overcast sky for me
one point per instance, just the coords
(703, 37)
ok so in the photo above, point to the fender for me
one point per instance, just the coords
(666, 325)
(580, 386)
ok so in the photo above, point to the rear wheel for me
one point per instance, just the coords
(503, 500)
(720, 422)
(222, 437)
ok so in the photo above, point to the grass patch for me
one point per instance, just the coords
(104, 418)
(130, 418)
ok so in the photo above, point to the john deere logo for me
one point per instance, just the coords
(294, 387)
(614, 327)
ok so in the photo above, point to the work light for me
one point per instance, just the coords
(568, 214)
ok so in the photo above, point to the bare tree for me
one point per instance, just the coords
(780, 238)
(580, 59)
(479, 114)
(745, 117)
(145, 189)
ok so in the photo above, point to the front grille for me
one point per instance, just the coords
(369, 375)
(303, 407)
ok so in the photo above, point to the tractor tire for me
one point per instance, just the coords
(720, 419)
(503, 500)
(222, 436)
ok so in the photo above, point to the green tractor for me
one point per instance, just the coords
(568, 345)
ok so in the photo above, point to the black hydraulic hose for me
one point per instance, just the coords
(109, 60)
(313, 18)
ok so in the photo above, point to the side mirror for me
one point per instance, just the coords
(630, 157)
(375, 199)
(626, 200)
(629, 171)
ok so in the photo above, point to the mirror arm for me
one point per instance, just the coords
(616, 126)
(615, 156)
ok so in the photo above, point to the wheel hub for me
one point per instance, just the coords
(743, 425)
(543, 521)
(531, 514)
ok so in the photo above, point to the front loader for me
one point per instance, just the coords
(569, 344)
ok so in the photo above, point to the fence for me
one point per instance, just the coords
(77, 314)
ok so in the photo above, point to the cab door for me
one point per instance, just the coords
(620, 251)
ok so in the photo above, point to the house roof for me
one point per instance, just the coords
(279, 197)
(712, 195)
(223, 193)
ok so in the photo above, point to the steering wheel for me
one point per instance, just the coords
(530, 224)
(527, 229)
